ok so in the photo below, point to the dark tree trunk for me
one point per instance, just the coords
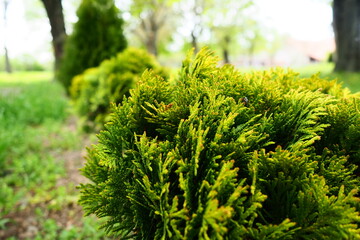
(54, 11)
(226, 56)
(194, 42)
(227, 41)
(346, 23)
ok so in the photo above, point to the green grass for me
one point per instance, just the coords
(33, 114)
(25, 77)
(349, 80)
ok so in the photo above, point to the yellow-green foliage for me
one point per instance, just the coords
(224, 155)
(94, 90)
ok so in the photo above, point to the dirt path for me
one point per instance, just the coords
(73, 159)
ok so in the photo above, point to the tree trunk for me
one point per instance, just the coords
(198, 11)
(251, 52)
(194, 42)
(7, 61)
(227, 41)
(150, 29)
(54, 11)
(151, 43)
(346, 23)
(226, 56)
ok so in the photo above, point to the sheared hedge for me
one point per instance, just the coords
(93, 91)
(222, 154)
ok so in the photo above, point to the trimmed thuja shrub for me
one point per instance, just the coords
(97, 35)
(221, 154)
(93, 91)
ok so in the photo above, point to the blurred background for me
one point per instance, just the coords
(257, 33)
(45, 125)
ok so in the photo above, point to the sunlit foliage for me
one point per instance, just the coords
(93, 91)
(226, 155)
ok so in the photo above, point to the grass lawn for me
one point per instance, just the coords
(40, 153)
(349, 80)
(25, 77)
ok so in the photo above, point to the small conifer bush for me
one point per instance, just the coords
(93, 91)
(97, 35)
(221, 154)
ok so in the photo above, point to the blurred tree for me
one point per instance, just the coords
(153, 16)
(255, 38)
(7, 60)
(97, 35)
(197, 10)
(194, 12)
(273, 43)
(228, 20)
(346, 22)
(54, 11)
(224, 39)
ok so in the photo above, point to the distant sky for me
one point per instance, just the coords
(29, 36)
(300, 19)
(21, 36)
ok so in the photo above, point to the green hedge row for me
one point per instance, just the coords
(222, 154)
(97, 35)
(93, 91)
